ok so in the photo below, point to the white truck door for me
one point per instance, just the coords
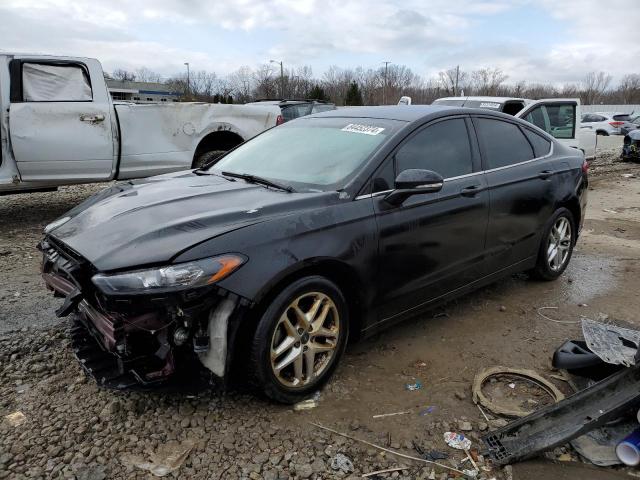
(560, 117)
(59, 124)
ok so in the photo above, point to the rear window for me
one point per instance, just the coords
(449, 103)
(290, 112)
(622, 118)
(503, 143)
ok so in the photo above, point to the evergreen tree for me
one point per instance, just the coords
(354, 95)
(318, 93)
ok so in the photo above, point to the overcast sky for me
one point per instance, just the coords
(534, 40)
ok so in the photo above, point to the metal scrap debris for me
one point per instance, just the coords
(612, 344)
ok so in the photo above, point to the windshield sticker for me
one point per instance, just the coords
(489, 105)
(366, 129)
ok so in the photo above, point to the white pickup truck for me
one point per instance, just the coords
(559, 117)
(59, 126)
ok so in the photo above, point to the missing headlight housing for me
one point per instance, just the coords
(170, 278)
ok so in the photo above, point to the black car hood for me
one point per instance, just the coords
(151, 221)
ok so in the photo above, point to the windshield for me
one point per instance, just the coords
(311, 154)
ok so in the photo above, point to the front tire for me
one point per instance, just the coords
(299, 339)
(556, 246)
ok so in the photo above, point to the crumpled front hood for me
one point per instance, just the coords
(151, 221)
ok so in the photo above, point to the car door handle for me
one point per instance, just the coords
(545, 174)
(471, 191)
(92, 118)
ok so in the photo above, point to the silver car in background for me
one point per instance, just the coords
(607, 123)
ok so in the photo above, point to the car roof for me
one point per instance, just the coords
(486, 98)
(405, 113)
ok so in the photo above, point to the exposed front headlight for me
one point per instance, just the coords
(170, 278)
(56, 224)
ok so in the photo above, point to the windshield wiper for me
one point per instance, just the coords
(262, 181)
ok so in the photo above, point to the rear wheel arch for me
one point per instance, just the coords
(573, 205)
(220, 140)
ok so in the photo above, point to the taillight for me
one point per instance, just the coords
(616, 124)
(585, 166)
(279, 120)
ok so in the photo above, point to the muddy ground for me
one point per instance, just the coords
(72, 429)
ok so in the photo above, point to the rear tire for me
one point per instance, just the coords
(207, 157)
(299, 339)
(603, 133)
(556, 246)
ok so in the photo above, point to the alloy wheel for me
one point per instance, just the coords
(559, 244)
(305, 339)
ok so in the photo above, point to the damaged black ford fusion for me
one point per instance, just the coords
(323, 229)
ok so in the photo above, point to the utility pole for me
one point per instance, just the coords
(384, 85)
(188, 82)
(281, 77)
(455, 88)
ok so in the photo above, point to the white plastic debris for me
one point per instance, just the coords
(457, 441)
(343, 463)
(15, 419)
(167, 459)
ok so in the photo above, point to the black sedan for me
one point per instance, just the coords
(324, 229)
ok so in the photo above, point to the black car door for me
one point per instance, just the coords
(521, 176)
(433, 242)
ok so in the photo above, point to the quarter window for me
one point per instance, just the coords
(443, 148)
(557, 119)
(503, 143)
(55, 83)
(541, 145)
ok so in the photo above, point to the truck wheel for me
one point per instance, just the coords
(207, 157)
(299, 339)
(556, 246)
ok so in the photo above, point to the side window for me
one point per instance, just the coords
(55, 83)
(588, 118)
(443, 148)
(503, 143)
(541, 145)
(557, 119)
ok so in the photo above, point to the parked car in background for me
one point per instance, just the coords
(607, 123)
(292, 109)
(631, 146)
(634, 120)
(329, 227)
(59, 126)
(557, 116)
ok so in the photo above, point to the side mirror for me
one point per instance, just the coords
(413, 182)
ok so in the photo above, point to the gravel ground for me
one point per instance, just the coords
(72, 429)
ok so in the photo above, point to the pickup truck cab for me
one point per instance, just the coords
(58, 125)
(560, 117)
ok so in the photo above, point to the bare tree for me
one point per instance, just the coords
(143, 74)
(123, 75)
(452, 81)
(266, 84)
(594, 86)
(242, 82)
(487, 81)
(629, 88)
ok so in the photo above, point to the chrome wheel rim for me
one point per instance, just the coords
(559, 244)
(305, 339)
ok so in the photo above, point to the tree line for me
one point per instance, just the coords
(380, 86)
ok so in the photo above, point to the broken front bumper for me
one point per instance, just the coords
(142, 340)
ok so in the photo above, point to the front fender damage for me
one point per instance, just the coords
(215, 357)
